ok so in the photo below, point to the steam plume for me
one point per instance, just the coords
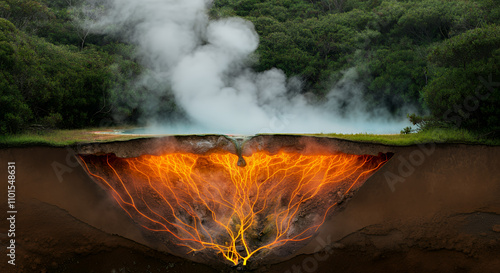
(205, 64)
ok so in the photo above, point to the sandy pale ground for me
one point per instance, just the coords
(426, 210)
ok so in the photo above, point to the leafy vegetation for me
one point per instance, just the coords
(463, 90)
(47, 79)
(439, 57)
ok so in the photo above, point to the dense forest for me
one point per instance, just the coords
(441, 57)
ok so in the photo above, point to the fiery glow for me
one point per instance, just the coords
(207, 202)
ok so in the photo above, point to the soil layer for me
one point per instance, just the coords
(431, 208)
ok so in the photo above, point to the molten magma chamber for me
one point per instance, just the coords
(206, 203)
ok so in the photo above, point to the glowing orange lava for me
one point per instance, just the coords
(207, 202)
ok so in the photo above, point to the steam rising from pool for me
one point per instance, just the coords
(205, 65)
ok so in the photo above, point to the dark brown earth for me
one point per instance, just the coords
(434, 208)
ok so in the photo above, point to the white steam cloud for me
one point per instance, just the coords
(205, 64)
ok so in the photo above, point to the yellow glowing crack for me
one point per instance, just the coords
(208, 202)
